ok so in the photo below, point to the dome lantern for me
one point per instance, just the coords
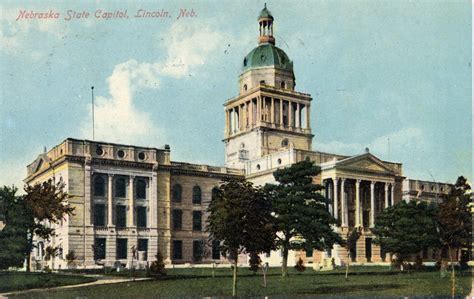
(265, 21)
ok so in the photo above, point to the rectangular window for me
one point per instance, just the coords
(99, 215)
(121, 249)
(141, 217)
(197, 250)
(216, 247)
(121, 216)
(99, 248)
(177, 249)
(309, 252)
(143, 246)
(177, 219)
(197, 215)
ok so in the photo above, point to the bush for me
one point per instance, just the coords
(300, 267)
(157, 268)
(254, 262)
(418, 266)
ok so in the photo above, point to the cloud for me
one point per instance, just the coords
(117, 118)
(403, 141)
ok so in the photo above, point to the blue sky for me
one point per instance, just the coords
(377, 70)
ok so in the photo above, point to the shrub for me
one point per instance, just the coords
(157, 268)
(300, 267)
(418, 266)
(254, 262)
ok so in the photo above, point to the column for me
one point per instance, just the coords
(109, 201)
(281, 112)
(330, 197)
(343, 204)
(392, 194)
(259, 109)
(251, 113)
(357, 202)
(290, 114)
(131, 210)
(298, 116)
(272, 117)
(336, 207)
(372, 204)
(227, 122)
(308, 112)
(386, 195)
(246, 120)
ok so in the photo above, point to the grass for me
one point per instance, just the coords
(16, 281)
(363, 281)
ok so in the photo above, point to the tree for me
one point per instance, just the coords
(351, 242)
(455, 221)
(71, 258)
(157, 268)
(240, 219)
(406, 228)
(254, 262)
(300, 267)
(47, 205)
(300, 211)
(14, 236)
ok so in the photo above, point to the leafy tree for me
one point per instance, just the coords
(351, 242)
(47, 204)
(300, 213)
(406, 228)
(71, 258)
(202, 251)
(240, 218)
(455, 221)
(14, 236)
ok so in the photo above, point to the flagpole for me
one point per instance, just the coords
(93, 127)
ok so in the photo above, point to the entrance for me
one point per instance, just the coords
(368, 249)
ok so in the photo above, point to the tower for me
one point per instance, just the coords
(268, 115)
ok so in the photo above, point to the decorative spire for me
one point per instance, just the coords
(265, 22)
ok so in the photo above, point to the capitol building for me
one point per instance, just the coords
(130, 197)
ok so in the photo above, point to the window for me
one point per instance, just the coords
(121, 154)
(177, 249)
(177, 219)
(141, 217)
(99, 248)
(176, 193)
(196, 195)
(141, 156)
(282, 84)
(197, 250)
(309, 252)
(120, 187)
(197, 215)
(121, 216)
(245, 87)
(258, 166)
(140, 192)
(99, 215)
(285, 143)
(99, 186)
(216, 247)
(99, 151)
(143, 246)
(279, 161)
(245, 61)
(262, 82)
(121, 249)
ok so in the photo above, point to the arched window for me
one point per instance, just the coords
(99, 186)
(176, 193)
(282, 84)
(120, 187)
(141, 189)
(196, 195)
(245, 87)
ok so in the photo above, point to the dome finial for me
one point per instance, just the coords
(265, 21)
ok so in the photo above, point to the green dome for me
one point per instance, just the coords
(267, 55)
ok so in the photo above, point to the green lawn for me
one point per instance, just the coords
(364, 281)
(15, 281)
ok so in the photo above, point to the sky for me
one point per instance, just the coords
(394, 76)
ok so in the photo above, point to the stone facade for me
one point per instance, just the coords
(123, 198)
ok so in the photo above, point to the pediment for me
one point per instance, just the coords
(366, 162)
